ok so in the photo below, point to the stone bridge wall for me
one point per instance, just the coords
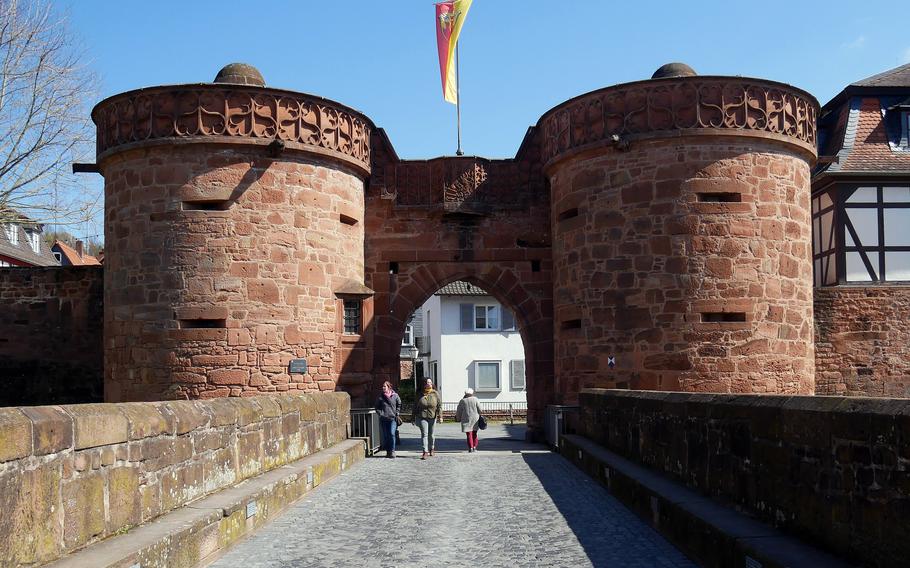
(71, 475)
(50, 335)
(831, 470)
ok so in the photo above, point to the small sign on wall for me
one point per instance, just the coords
(297, 366)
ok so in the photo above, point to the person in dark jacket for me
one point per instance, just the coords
(388, 406)
(428, 408)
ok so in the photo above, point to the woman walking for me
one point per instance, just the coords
(429, 406)
(388, 406)
(468, 413)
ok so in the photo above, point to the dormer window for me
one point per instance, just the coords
(34, 240)
(12, 233)
(902, 110)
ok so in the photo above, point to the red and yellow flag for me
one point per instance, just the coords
(449, 19)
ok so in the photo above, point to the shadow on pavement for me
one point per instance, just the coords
(602, 533)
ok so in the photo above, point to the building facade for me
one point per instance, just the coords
(473, 342)
(861, 246)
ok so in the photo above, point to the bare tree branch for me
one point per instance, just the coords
(44, 117)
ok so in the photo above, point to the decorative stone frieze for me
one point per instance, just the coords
(213, 113)
(658, 107)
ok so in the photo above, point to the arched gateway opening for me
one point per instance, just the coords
(452, 377)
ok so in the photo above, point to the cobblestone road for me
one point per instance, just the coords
(509, 504)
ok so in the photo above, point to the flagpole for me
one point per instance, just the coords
(458, 152)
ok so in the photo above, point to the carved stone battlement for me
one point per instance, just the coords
(212, 113)
(682, 104)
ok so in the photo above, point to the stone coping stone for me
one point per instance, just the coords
(708, 532)
(195, 534)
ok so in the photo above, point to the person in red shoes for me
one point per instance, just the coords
(468, 413)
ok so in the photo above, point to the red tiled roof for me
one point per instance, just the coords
(871, 151)
(73, 257)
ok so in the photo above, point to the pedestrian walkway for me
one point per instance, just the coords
(510, 504)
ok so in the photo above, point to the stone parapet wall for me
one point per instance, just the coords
(862, 341)
(72, 475)
(831, 470)
(50, 335)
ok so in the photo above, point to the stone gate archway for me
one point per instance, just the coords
(483, 221)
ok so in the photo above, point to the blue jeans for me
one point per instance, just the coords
(387, 427)
(426, 432)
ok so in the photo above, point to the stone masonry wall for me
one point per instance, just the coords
(831, 470)
(50, 335)
(71, 475)
(221, 265)
(687, 260)
(862, 341)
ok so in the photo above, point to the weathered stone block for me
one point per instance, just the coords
(123, 498)
(15, 434)
(145, 420)
(31, 527)
(52, 429)
(83, 509)
(97, 425)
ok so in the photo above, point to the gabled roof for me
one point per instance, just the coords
(73, 257)
(897, 77)
(22, 251)
(459, 288)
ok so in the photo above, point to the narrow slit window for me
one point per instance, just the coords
(720, 197)
(202, 323)
(347, 220)
(571, 324)
(568, 214)
(535, 266)
(214, 205)
(716, 317)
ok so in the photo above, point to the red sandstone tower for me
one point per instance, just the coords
(681, 235)
(233, 237)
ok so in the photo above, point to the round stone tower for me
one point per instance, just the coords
(681, 235)
(233, 233)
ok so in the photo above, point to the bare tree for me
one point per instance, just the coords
(44, 119)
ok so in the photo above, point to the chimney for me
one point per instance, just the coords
(79, 248)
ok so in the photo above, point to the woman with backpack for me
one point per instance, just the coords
(427, 409)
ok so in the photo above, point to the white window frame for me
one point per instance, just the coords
(488, 308)
(34, 240)
(408, 338)
(12, 233)
(477, 387)
(512, 375)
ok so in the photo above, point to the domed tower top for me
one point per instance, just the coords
(240, 74)
(673, 70)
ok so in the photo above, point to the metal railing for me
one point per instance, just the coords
(555, 424)
(497, 410)
(365, 424)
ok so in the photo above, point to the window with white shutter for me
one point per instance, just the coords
(517, 372)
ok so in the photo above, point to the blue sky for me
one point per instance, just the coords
(518, 59)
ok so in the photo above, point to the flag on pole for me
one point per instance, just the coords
(449, 19)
